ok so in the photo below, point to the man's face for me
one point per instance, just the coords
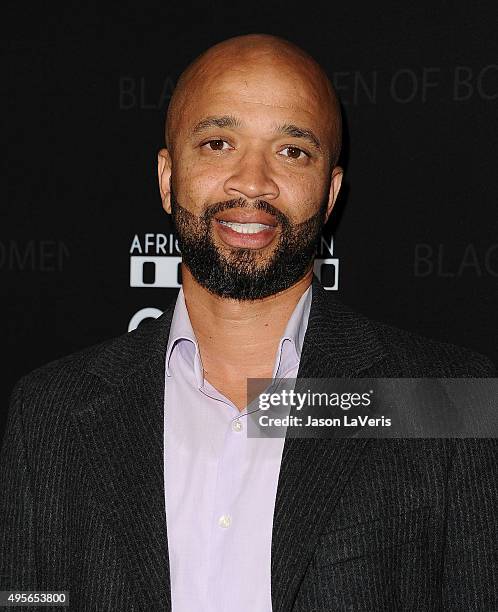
(251, 183)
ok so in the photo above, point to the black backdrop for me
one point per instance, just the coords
(85, 92)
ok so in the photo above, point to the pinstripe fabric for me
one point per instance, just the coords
(358, 524)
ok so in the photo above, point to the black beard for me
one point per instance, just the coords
(240, 273)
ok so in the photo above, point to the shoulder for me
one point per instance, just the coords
(417, 355)
(71, 372)
(361, 343)
(83, 376)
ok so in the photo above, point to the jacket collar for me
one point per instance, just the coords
(338, 342)
(130, 353)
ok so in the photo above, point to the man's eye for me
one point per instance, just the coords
(216, 145)
(294, 152)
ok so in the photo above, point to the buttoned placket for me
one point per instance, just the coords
(233, 447)
(230, 465)
(233, 456)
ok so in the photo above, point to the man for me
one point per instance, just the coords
(126, 475)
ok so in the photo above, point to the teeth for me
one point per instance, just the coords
(245, 228)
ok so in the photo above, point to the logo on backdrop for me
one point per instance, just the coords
(155, 263)
(402, 85)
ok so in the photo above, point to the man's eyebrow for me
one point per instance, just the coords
(224, 121)
(229, 121)
(289, 129)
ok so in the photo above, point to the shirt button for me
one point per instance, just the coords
(224, 521)
(237, 425)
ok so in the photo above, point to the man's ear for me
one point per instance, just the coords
(335, 185)
(164, 176)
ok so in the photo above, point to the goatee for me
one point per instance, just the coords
(243, 273)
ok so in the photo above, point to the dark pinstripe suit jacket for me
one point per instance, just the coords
(358, 524)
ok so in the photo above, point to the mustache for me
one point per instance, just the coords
(282, 219)
(262, 205)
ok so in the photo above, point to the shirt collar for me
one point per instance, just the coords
(181, 329)
(291, 344)
(289, 348)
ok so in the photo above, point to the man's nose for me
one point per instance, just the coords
(252, 178)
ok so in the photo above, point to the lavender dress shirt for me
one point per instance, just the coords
(220, 485)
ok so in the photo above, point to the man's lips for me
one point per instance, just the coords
(233, 215)
(245, 229)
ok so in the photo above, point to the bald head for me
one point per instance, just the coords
(253, 63)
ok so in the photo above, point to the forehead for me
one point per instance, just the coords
(258, 91)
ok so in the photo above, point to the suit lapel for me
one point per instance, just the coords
(122, 436)
(313, 472)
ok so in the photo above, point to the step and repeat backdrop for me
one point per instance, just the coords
(86, 251)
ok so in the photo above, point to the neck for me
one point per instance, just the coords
(239, 337)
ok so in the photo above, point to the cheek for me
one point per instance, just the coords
(302, 197)
(194, 186)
